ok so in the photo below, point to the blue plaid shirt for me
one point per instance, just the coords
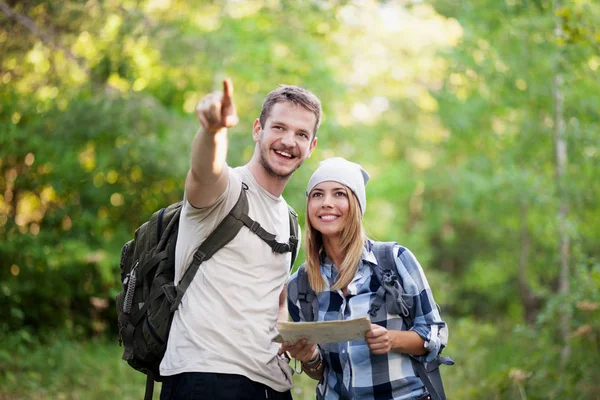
(350, 370)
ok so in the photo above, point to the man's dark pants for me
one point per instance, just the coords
(212, 386)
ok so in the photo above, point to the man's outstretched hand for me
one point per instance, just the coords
(217, 110)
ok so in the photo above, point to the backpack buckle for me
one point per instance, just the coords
(388, 278)
(373, 310)
(254, 227)
(199, 256)
(281, 248)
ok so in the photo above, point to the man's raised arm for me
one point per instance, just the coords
(207, 177)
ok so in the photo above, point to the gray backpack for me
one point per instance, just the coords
(397, 302)
(149, 298)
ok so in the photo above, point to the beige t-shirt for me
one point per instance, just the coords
(227, 317)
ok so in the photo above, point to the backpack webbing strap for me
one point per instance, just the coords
(268, 238)
(309, 306)
(431, 380)
(390, 284)
(152, 262)
(225, 232)
(293, 234)
(159, 224)
(376, 304)
(384, 253)
(149, 385)
(219, 237)
(428, 372)
(152, 295)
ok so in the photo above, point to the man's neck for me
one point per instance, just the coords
(268, 182)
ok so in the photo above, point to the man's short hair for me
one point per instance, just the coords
(295, 95)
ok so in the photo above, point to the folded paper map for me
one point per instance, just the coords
(323, 332)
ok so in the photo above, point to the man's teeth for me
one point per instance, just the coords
(283, 153)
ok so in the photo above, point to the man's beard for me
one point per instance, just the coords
(271, 172)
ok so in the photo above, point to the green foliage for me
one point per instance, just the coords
(495, 185)
(63, 369)
(449, 105)
(100, 161)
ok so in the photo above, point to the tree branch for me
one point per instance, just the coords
(46, 38)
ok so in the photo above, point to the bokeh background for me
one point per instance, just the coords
(479, 122)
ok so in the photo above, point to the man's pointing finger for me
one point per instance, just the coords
(228, 112)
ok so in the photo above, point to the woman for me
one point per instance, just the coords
(340, 266)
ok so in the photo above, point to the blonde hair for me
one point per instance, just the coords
(352, 243)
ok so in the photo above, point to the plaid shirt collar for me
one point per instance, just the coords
(367, 259)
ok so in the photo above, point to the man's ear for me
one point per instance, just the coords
(311, 147)
(256, 130)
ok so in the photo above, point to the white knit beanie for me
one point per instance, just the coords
(347, 173)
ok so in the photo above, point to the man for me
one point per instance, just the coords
(220, 344)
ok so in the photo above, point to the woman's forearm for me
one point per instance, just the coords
(408, 342)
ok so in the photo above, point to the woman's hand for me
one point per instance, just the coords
(301, 350)
(379, 340)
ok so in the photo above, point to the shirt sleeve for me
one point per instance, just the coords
(222, 204)
(427, 321)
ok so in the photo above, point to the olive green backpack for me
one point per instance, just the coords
(149, 298)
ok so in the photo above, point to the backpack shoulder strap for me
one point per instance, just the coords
(258, 230)
(309, 306)
(294, 230)
(391, 283)
(384, 253)
(227, 229)
(219, 237)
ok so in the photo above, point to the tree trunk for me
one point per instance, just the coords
(560, 144)
(530, 301)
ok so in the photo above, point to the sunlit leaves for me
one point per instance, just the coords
(117, 199)
(87, 157)
(447, 104)
(497, 104)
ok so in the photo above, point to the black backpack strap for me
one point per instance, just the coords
(223, 234)
(268, 238)
(294, 228)
(306, 296)
(159, 224)
(149, 385)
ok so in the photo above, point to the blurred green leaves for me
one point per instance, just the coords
(447, 104)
